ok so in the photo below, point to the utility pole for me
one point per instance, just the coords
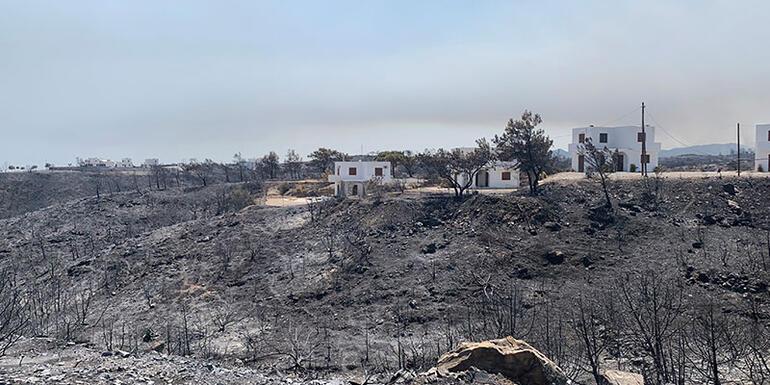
(644, 145)
(739, 149)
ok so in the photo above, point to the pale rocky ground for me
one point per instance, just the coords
(45, 362)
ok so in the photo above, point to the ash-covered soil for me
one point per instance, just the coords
(346, 286)
(45, 361)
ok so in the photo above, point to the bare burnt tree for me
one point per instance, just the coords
(600, 161)
(202, 171)
(712, 331)
(225, 313)
(14, 316)
(590, 324)
(654, 303)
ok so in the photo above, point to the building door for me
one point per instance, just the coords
(619, 160)
(482, 179)
(581, 163)
(354, 190)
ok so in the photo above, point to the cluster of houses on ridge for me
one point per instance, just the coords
(107, 163)
(351, 178)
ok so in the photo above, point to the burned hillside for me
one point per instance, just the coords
(390, 283)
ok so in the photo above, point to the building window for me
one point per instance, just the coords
(646, 158)
(582, 138)
(603, 137)
(768, 135)
(352, 171)
(506, 175)
(378, 171)
(640, 137)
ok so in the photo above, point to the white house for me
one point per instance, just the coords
(125, 163)
(351, 178)
(95, 162)
(626, 139)
(762, 148)
(150, 162)
(499, 175)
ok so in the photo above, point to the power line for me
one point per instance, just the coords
(635, 110)
(681, 142)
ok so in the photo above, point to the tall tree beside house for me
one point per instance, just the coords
(448, 165)
(292, 164)
(270, 165)
(323, 159)
(523, 142)
(405, 159)
(409, 163)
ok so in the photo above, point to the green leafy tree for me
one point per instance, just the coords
(404, 159)
(323, 159)
(458, 167)
(270, 165)
(293, 164)
(523, 142)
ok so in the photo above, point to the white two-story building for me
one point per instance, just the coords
(627, 140)
(352, 178)
(762, 148)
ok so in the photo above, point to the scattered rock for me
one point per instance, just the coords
(555, 257)
(734, 206)
(429, 248)
(553, 226)
(514, 359)
(730, 189)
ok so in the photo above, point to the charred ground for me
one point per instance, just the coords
(378, 284)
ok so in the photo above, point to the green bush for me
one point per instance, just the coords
(632, 167)
(283, 188)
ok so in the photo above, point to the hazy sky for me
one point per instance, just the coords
(178, 79)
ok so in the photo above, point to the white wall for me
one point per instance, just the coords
(364, 171)
(624, 139)
(496, 178)
(762, 147)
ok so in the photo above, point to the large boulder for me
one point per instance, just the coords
(617, 377)
(514, 359)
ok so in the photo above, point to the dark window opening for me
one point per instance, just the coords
(506, 175)
(640, 137)
(378, 171)
(352, 171)
(582, 138)
(603, 138)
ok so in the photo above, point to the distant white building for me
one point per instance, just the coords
(499, 175)
(627, 140)
(125, 163)
(150, 162)
(351, 178)
(95, 162)
(762, 148)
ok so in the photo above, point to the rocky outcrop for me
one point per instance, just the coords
(514, 359)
